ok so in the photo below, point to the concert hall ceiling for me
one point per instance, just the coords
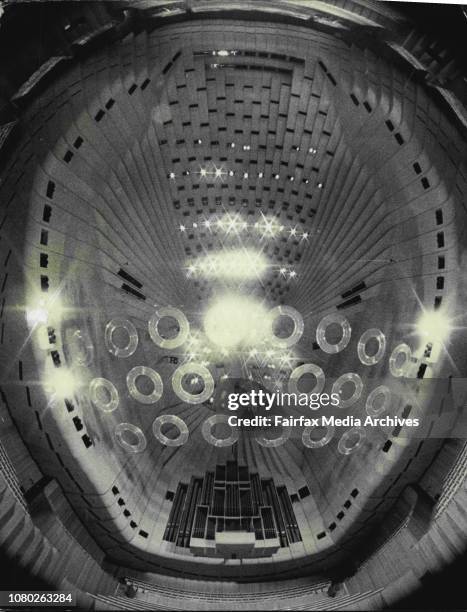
(203, 198)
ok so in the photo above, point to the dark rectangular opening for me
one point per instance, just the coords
(78, 423)
(50, 189)
(86, 440)
(131, 279)
(47, 213)
(133, 292)
(425, 183)
(350, 302)
(399, 138)
(44, 283)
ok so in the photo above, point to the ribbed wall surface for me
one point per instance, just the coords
(128, 167)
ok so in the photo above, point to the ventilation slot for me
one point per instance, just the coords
(44, 283)
(422, 370)
(129, 278)
(78, 423)
(351, 302)
(399, 138)
(86, 440)
(360, 287)
(50, 189)
(47, 213)
(131, 291)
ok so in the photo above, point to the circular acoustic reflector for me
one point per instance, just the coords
(172, 420)
(199, 370)
(361, 347)
(274, 442)
(350, 377)
(307, 368)
(401, 369)
(371, 408)
(321, 333)
(132, 344)
(309, 443)
(96, 386)
(183, 324)
(135, 432)
(296, 317)
(209, 423)
(351, 440)
(153, 376)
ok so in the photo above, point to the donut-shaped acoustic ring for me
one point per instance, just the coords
(307, 368)
(94, 387)
(173, 420)
(287, 311)
(340, 382)
(343, 447)
(199, 370)
(209, 424)
(136, 431)
(361, 347)
(321, 333)
(132, 344)
(184, 328)
(371, 409)
(401, 349)
(309, 443)
(275, 442)
(156, 380)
